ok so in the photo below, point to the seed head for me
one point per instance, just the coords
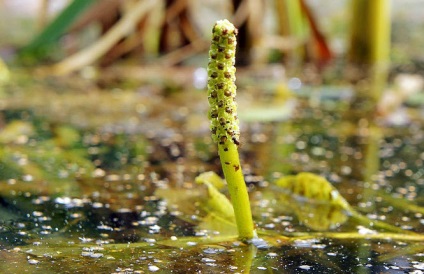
(221, 83)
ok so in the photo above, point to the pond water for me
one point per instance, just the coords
(102, 181)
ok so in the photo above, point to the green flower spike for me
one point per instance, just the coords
(224, 122)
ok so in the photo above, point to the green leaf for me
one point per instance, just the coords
(320, 206)
(56, 28)
(212, 178)
(314, 200)
(217, 203)
(218, 212)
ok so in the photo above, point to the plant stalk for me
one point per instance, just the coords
(224, 121)
(231, 167)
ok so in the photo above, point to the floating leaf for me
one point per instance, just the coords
(210, 177)
(320, 206)
(218, 210)
(216, 223)
(189, 202)
(217, 203)
(314, 200)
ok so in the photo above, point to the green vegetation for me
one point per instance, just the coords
(320, 206)
(224, 121)
(43, 42)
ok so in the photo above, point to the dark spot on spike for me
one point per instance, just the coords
(213, 94)
(215, 38)
(230, 41)
(214, 75)
(220, 103)
(226, 149)
(228, 110)
(227, 163)
(213, 130)
(221, 49)
(236, 167)
(222, 140)
(222, 121)
(227, 75)
(227, 55)
(235, 140)
(214, 114)
(220, 85)
(220, 66)
(224, 31)
(213, 55)
(227, 93)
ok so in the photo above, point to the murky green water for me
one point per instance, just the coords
(102, 181)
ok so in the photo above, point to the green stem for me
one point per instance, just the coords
(230, 162)
(224, 122)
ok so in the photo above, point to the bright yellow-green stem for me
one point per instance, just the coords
(237, 187)
(224, 122)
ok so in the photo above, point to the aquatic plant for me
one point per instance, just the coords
(320, 206)
(42, 43)
(224, 122)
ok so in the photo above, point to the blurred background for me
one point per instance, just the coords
(104, 128)
(177, 32)
(311, 42)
